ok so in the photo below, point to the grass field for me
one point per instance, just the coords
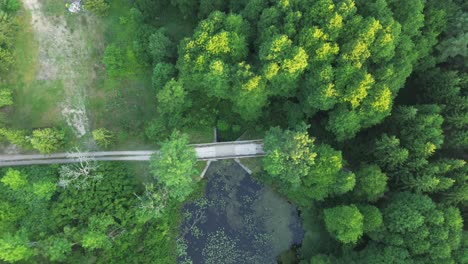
(36, 102)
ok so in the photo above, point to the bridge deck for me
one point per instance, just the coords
(210, 151)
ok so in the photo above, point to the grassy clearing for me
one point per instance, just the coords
(53, 7)
(36, 105)
(124, 106)
(128, 104)
(36, 102)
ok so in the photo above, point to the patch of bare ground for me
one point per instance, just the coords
(64, 55)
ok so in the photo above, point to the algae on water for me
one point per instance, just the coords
(238, 221)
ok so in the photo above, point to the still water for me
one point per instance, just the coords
(238, 221)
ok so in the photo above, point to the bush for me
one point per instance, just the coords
(114, 60)
(98, 7)
(103, 137)
(16, 137)
(6, 97)
(47, 140)
(10, 6)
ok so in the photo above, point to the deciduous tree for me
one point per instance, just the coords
(47, 140)
(345, 223)
(371, 183)
(103, 137)
(160, 46)
(173, 166)
(302, 170)
(16, 247)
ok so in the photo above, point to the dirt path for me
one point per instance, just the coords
(63, 55)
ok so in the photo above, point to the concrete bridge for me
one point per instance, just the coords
(209, 151)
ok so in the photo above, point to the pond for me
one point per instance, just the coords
(238, 221)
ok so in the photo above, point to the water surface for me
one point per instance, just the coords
(238, 221)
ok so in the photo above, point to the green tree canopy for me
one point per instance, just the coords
(14, 179)
(16, 247)
(47, 140)
(372, 218)
(345, 223)
(304, 171)
(414, 222)
(173, 166)
(371, 183)
(103, 137)
(160, 46)
(345, 58)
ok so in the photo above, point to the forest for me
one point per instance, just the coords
(362, 106)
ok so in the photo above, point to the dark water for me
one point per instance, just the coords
(238, 221)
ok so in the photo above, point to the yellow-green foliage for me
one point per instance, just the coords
(103, 137)
(47, 140)
(98, 7)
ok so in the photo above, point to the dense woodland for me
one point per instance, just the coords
(362, 106)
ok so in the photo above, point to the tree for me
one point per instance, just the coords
(14, 179)
(160, 46)
(16, 247)
(388, 153)
(153, 203)
(457, 172)
(345, 223)
(283, 64)
(452, 46)
(375, 253)
(98, 7)
(16, 137)
(404, 157)
(302, 170)
(172, 102)
(114, 61)
(103, 137)
(371, 183)
(47, 140)
(289, 154)
(162, 73)
(8, 31)
(414, 222)
(11, 6)
(372, 218)
(58, 248)
(186, 7)
(44, 189)
(448, 89)
(213, 63)
(173, 166)
(96, 237)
